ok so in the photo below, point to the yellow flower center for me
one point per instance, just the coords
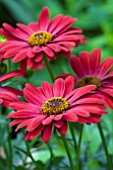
(88, 80)
(40, 38)
(54, 106)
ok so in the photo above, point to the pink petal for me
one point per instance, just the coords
(70, 116)
(69, 84)
(84, 59)
(14, 122)
(54, 47)
(47, 89)
(63, 130)
(21, 55)
(77, 66)
(38, 57)
(58, 88)
(46, 133)
(23, 124)
(48, 51)
(11, 75)
(59, 124)
(35, 133)
(48, 120)
(35, 123)
(22, 114)
(81, 92)
(25, 28)
(55, 21)
(95, 57)
(44, 19)
(12, 52)
(58, 117)
(105, 66)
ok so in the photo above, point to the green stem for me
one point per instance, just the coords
(49, 68)
(68, 152)
(73, 135)
(78, 148)
(10, 149)
(105, 146)
(50, 149)
(9, 65)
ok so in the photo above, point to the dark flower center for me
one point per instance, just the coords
(54, 106)
(40, 38)
(88, 80)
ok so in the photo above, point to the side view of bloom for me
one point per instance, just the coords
(90, 70)
(53, 106)
(29, 43)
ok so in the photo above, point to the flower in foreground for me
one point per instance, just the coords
(46, 37)
(53, 106)
(90, 70)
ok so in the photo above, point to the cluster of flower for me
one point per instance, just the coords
(81, 98)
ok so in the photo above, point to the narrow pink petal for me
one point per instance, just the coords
(35, 123)
(46, 133)
(44, 19)
(34, 26)
(48, 120)
(58, 117)
(95, 57)
(66, 23)
(68, 38)
(21, 55)
(54, 47)
(84, 59)
(11, 75)
(13, 90)
(48, 51)
(81, 92)
(23, 124)
(7, 95)
(58, 124)
(77, 66)
(23, 114)
(1, 101)
(66, 54)
(35, 133)
(108, 100)
(69, 84)
(38, 57)
(25, 28)
(55, 21)
(47, 89)
(17, 121)
(77, 113)
(58, 88)
(70, 116)
(12, 52)
(105, 66)
(63, 130)
(23, 105)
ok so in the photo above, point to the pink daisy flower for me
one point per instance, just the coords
(29, 43)
(53, 106)
(90, 70)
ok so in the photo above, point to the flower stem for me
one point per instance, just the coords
(78, 148)
(10, 149)
(68, 152)
(49, 68)
(105, 146)
(73, 136)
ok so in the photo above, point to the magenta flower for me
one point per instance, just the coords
(90, 70)
(49, 106)
(29, 43)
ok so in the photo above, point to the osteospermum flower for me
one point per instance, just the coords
(49, 106)
(46, 37)
(90, 70)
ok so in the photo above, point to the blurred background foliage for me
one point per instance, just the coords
(95, 17)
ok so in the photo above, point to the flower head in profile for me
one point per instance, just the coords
(46, 37)
(90, 70)
(53, 106)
